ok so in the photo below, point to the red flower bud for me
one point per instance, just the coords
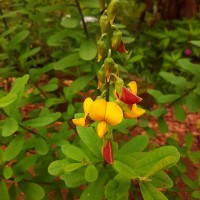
(121, 48)
(128, 97)
(107, 153)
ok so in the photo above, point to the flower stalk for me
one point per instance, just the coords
(105, 112)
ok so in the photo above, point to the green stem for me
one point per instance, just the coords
(82, 18)
(109, 45)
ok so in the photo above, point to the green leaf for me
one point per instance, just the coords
(197, 89)
(187, 65)
(128, 40)
(4, 191)
(77, 85)
(161, 180)
(179, 81)
(168, 98)
(89, 137)
(32, 191)
(188, 140)
(155, 93)
(196, 43)
(161, 165)
(73, 152)
(179, 112)
(71, 60)
(136, 58)
(57, 39)
(117, 188)
(137, 144)
(72, 167)
(88, 50)
(18, 38)
(153, 157)
(158, 112)
(29, 53)
(9, 127)
(8, 99)
(14, 147)
(69, 22)
(49, 87)
(192, 102)
(196, 194)
(93, 191)
(38, 122)
(149, 192)
(56, 168)
(24, 164)
(54, 101)
(91, 173)
(41, 146)
(163, 127)
(7, 172)
(19, 84)
(51, 8)
(75, 178)
(125, 170)
(124, 125)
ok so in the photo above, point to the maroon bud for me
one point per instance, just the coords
(128, 97)
(107, 153)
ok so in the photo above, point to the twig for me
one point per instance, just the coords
(82, 18)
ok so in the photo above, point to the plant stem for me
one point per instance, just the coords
(82, 18)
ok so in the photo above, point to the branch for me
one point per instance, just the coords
(82, 18)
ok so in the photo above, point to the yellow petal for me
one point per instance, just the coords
(134, 113)
(86, 105)
(97, 110)
(114, 114)
(79, 121)
(102, 128)
(133, 87)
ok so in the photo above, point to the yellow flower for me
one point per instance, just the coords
(86, 106)
(105, 113)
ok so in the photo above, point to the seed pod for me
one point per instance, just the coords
(101, 75)
(103, 22)
(102, 5)
(112, 10)
(116, 39)
(109, 66)
(101, 49)
(118, 86)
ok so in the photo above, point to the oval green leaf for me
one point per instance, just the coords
(41, 146)
(91, 173)
(149, 192)
(7, 172)
(56, 168)
(4, 191)
(88, 50)
(5, 101)
(14, 147)
(72, 167)
(32, 191)
(38, 122)
(10, 126)
(73, 152)
(162, 164)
